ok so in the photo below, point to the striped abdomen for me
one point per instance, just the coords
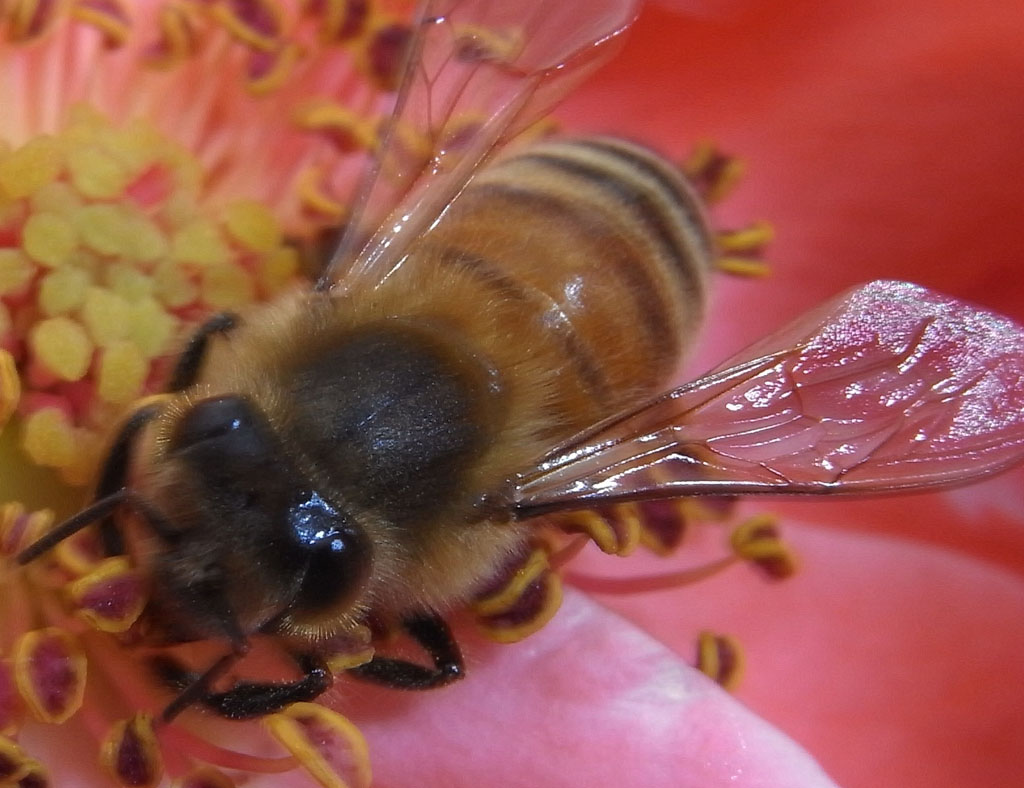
(596, 253)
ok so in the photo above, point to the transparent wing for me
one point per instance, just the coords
(478, 72)
(889, 387)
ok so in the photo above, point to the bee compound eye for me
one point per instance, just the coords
(337, 567)
(211, 419)
(337, 556)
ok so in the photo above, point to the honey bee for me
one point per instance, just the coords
(491, 342)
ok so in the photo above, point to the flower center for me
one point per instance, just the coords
(107, 252)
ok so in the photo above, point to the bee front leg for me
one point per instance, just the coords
(186, 370)
(246, 699)
(433, 634)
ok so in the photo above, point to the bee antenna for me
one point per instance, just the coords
(200, 685)
(90, 514)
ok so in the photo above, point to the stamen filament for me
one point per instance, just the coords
(201, 749)
(644, 584)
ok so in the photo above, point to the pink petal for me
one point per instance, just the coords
(589, 700)
(893, 662)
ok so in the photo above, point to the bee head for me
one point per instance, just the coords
(250, 543)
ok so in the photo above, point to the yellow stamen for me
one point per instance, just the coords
(720, 657)
(743, 266)
(10, 387)
(112, 20)
(105, 315)
(16, 271)
(272, 74)
(757, 540)
(26, 169)
(174, 286)
(278, 269)
(226, 287)
(314, 195)
(49, 439)
(62, 346)
(16, 768)
(755, 236)
(150, 327)
(132, 754)
(346, 129)
(308, 731)
(96, 174)
(63, 291)
(200, 243)
(115, 615)
(252, 225)
(121, 373)
(49, 669)
(511, 592)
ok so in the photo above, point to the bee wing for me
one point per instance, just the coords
(477, 73)
(889, 387)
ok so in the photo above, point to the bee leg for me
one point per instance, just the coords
(247, 699)
(186, 370)
(431, 632)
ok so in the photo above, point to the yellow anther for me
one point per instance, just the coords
(109, 597)
(18, 768)
(748, 238)
(342, 662)
(226, 287)
(757, 540)
(730, 175)
(62, 346)
(176, 37)
(150, 327)
(145, 242)
(474, 42)
(16, 271)
(10, 387)
(122, 371)
(128, 282)
(49, 238)
(96, 174)
(314, 197)
(720, 657)
(132, 753)
(200, 243)
(271, 74)
(49, 669)
(321, 739)
(104, 228)
(743, 266)
(278, 269)
(81, 470)
(704, 152)
(512, 591)
(252, 225)
(105, 315)
(49, 439)
(110, 18)
(550, 600)
(175, 287)
(28, 168)
(55, 197)
(346, 129)
(63, 291)
(263, 37)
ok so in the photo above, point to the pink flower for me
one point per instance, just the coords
(887, 648)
